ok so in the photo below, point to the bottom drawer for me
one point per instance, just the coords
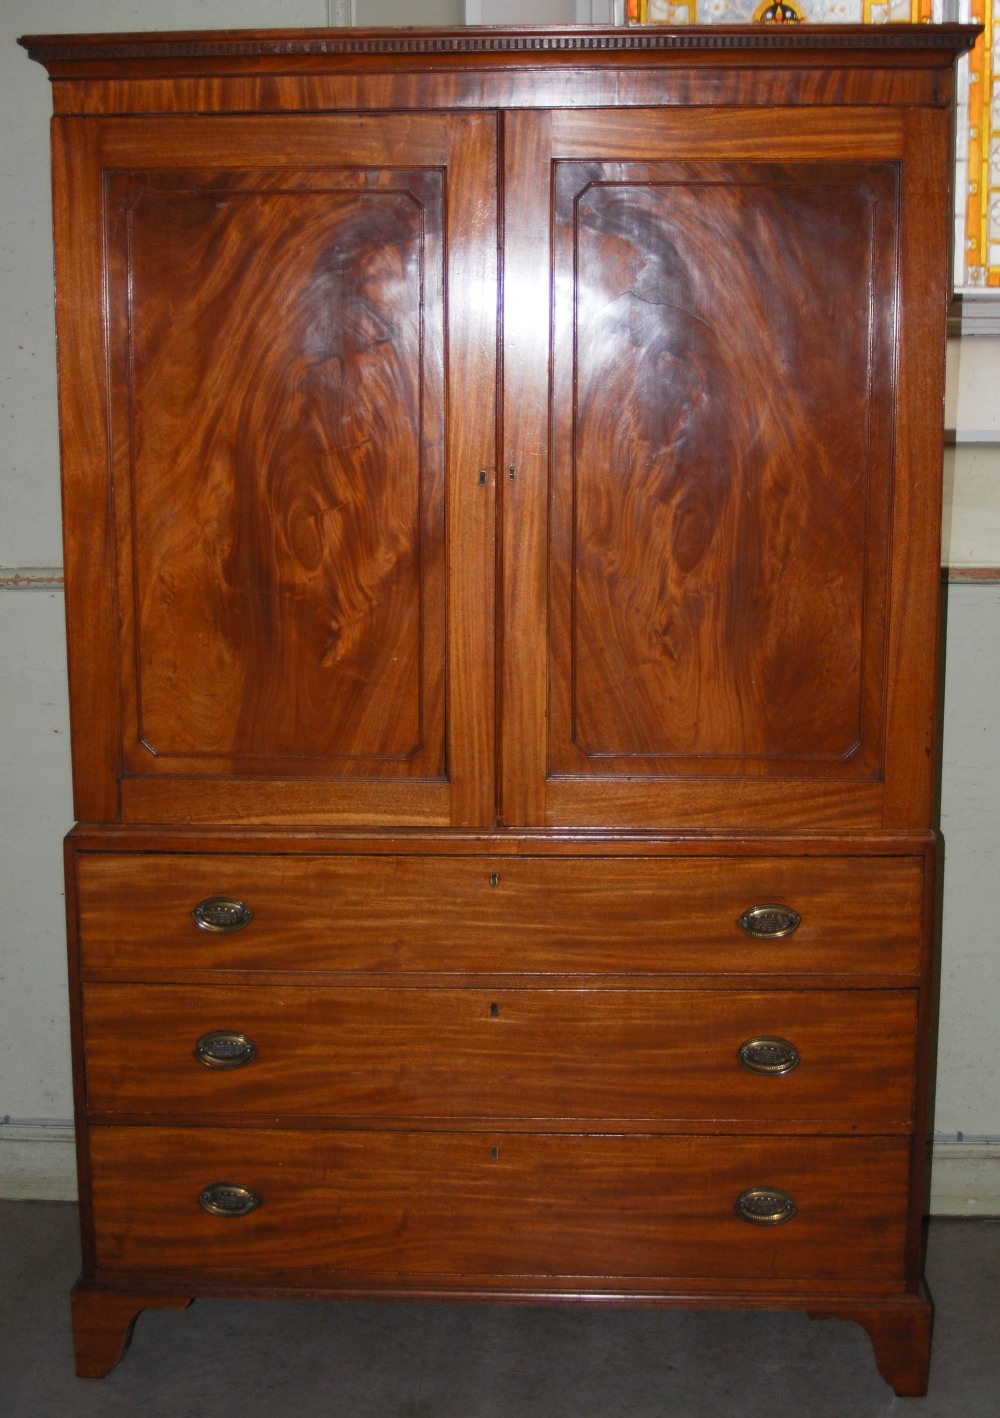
(452, 1208)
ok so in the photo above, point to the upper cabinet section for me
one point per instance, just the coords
(696, 280)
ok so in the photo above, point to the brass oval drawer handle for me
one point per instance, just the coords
(768, 1055)
(765, 1206)
(769, 922)
(225, 1048)
(222, 913)
(228, 1199)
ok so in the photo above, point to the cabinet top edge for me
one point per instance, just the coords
(525, 43)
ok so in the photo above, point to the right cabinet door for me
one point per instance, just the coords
(709, 480)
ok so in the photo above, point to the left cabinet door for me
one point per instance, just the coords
(277, 376)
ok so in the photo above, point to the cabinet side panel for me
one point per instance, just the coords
(85, 456)
(916, 545)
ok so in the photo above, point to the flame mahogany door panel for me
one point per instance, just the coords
(283, 308)
(711, 492)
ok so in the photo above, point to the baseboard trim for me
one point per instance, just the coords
(965, 1178)
(37, 1162)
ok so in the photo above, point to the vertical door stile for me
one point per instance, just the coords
(527, 303)
(471, 372)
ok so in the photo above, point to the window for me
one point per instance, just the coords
(977, 188)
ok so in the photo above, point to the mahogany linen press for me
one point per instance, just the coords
(502, 477)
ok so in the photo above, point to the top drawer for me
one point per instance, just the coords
(859, 916)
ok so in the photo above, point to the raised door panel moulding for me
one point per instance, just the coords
(826, 458)
(291, 515)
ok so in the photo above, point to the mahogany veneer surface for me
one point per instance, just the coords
(399, 1206)
(405, 1051)
(563, 915)
(501, 474)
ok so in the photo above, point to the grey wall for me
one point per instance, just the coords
(35, 1094)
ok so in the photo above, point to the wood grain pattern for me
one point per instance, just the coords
(282, 352)
(103, 1323)
(526, 370)
(715, 450)
(583, 1054)
(713, 802)
(901, 1338)
(541, 87)
(560, 915)
(431, 1206)
(305, 840)
(925, 281)
(95, 714)
(473, 395)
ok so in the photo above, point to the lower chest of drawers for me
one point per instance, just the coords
(531, 1075)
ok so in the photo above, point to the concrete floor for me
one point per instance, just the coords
(272, 1359)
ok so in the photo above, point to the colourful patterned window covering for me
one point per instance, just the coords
(977, 236)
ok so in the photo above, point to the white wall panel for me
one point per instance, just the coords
(35, 1149)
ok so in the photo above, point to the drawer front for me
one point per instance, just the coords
(398, 1208)
(500, 914)
(514, 1053)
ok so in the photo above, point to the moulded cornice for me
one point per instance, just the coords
(503, 42)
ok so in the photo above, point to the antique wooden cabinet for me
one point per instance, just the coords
(502, 478)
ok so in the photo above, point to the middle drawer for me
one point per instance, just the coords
(835, 1057)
